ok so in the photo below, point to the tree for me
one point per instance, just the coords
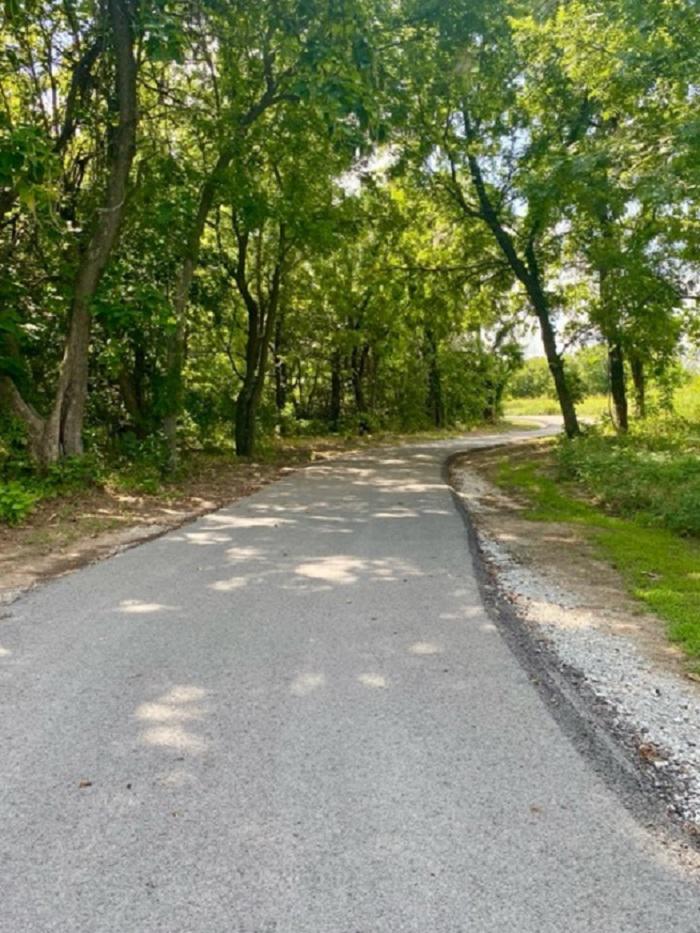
(483, 151)
(60, 431)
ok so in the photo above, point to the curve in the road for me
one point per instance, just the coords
(295, 715)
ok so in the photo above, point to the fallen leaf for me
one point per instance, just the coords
(648, 752)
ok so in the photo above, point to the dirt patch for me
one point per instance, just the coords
(576, 587)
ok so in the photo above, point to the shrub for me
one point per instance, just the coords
(653, 474)
(16, 502)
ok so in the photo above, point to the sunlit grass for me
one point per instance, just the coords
(660, 568)
(593, 407)
(686, 403)
(686, 400)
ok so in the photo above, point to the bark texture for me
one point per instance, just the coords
(616, 364)
(639, 381)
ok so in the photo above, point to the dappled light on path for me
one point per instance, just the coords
(299, 693)
(306, 683)
(167, 720)
(225, 586)
(425, 647)
(139, 607)
(374, 681)
(337, 569)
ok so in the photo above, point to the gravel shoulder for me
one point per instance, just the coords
(611, 650)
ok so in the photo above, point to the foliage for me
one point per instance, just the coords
(652, 475)
(339, 218)
(533, 380)
(16, 502)
(595, 406)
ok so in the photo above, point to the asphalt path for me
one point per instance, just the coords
(296, 716)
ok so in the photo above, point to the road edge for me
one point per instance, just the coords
(588, 721)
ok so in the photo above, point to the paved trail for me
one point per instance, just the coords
(296, 717)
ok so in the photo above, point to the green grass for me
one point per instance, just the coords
(659, 567)
(686, 400)
(686, 403)
(651, 475)
(593, 407)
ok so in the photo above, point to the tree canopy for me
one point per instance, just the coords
(221, 220)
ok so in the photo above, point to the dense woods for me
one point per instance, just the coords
(221, 220)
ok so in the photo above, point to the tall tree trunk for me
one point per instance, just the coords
(246, 401)
(65, 424)
(528, 273)
(60, 433)
(639, 380)
(556, 368)
(281, 380)
(336, 399)
(435, 403)
(245, 421)
(489, 412)
(358, 365)
(262, 319)
(175, 344)
(248, 398)
(175, 349)
(616, 363)
(131, 387)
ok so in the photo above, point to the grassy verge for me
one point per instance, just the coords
(660, 567)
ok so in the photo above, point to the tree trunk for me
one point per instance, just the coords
(528, 273)
(245, 422)
(251, 391)
(175, 343)
(262, 320)
(61, 431)
(358, 362)
(34, 424)
(175, 350)
(489, 412)
(436, 406)
(616, 364)
(639, 380)
(131, 386)
(336, 400)
(556, 368)
(281, 380)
